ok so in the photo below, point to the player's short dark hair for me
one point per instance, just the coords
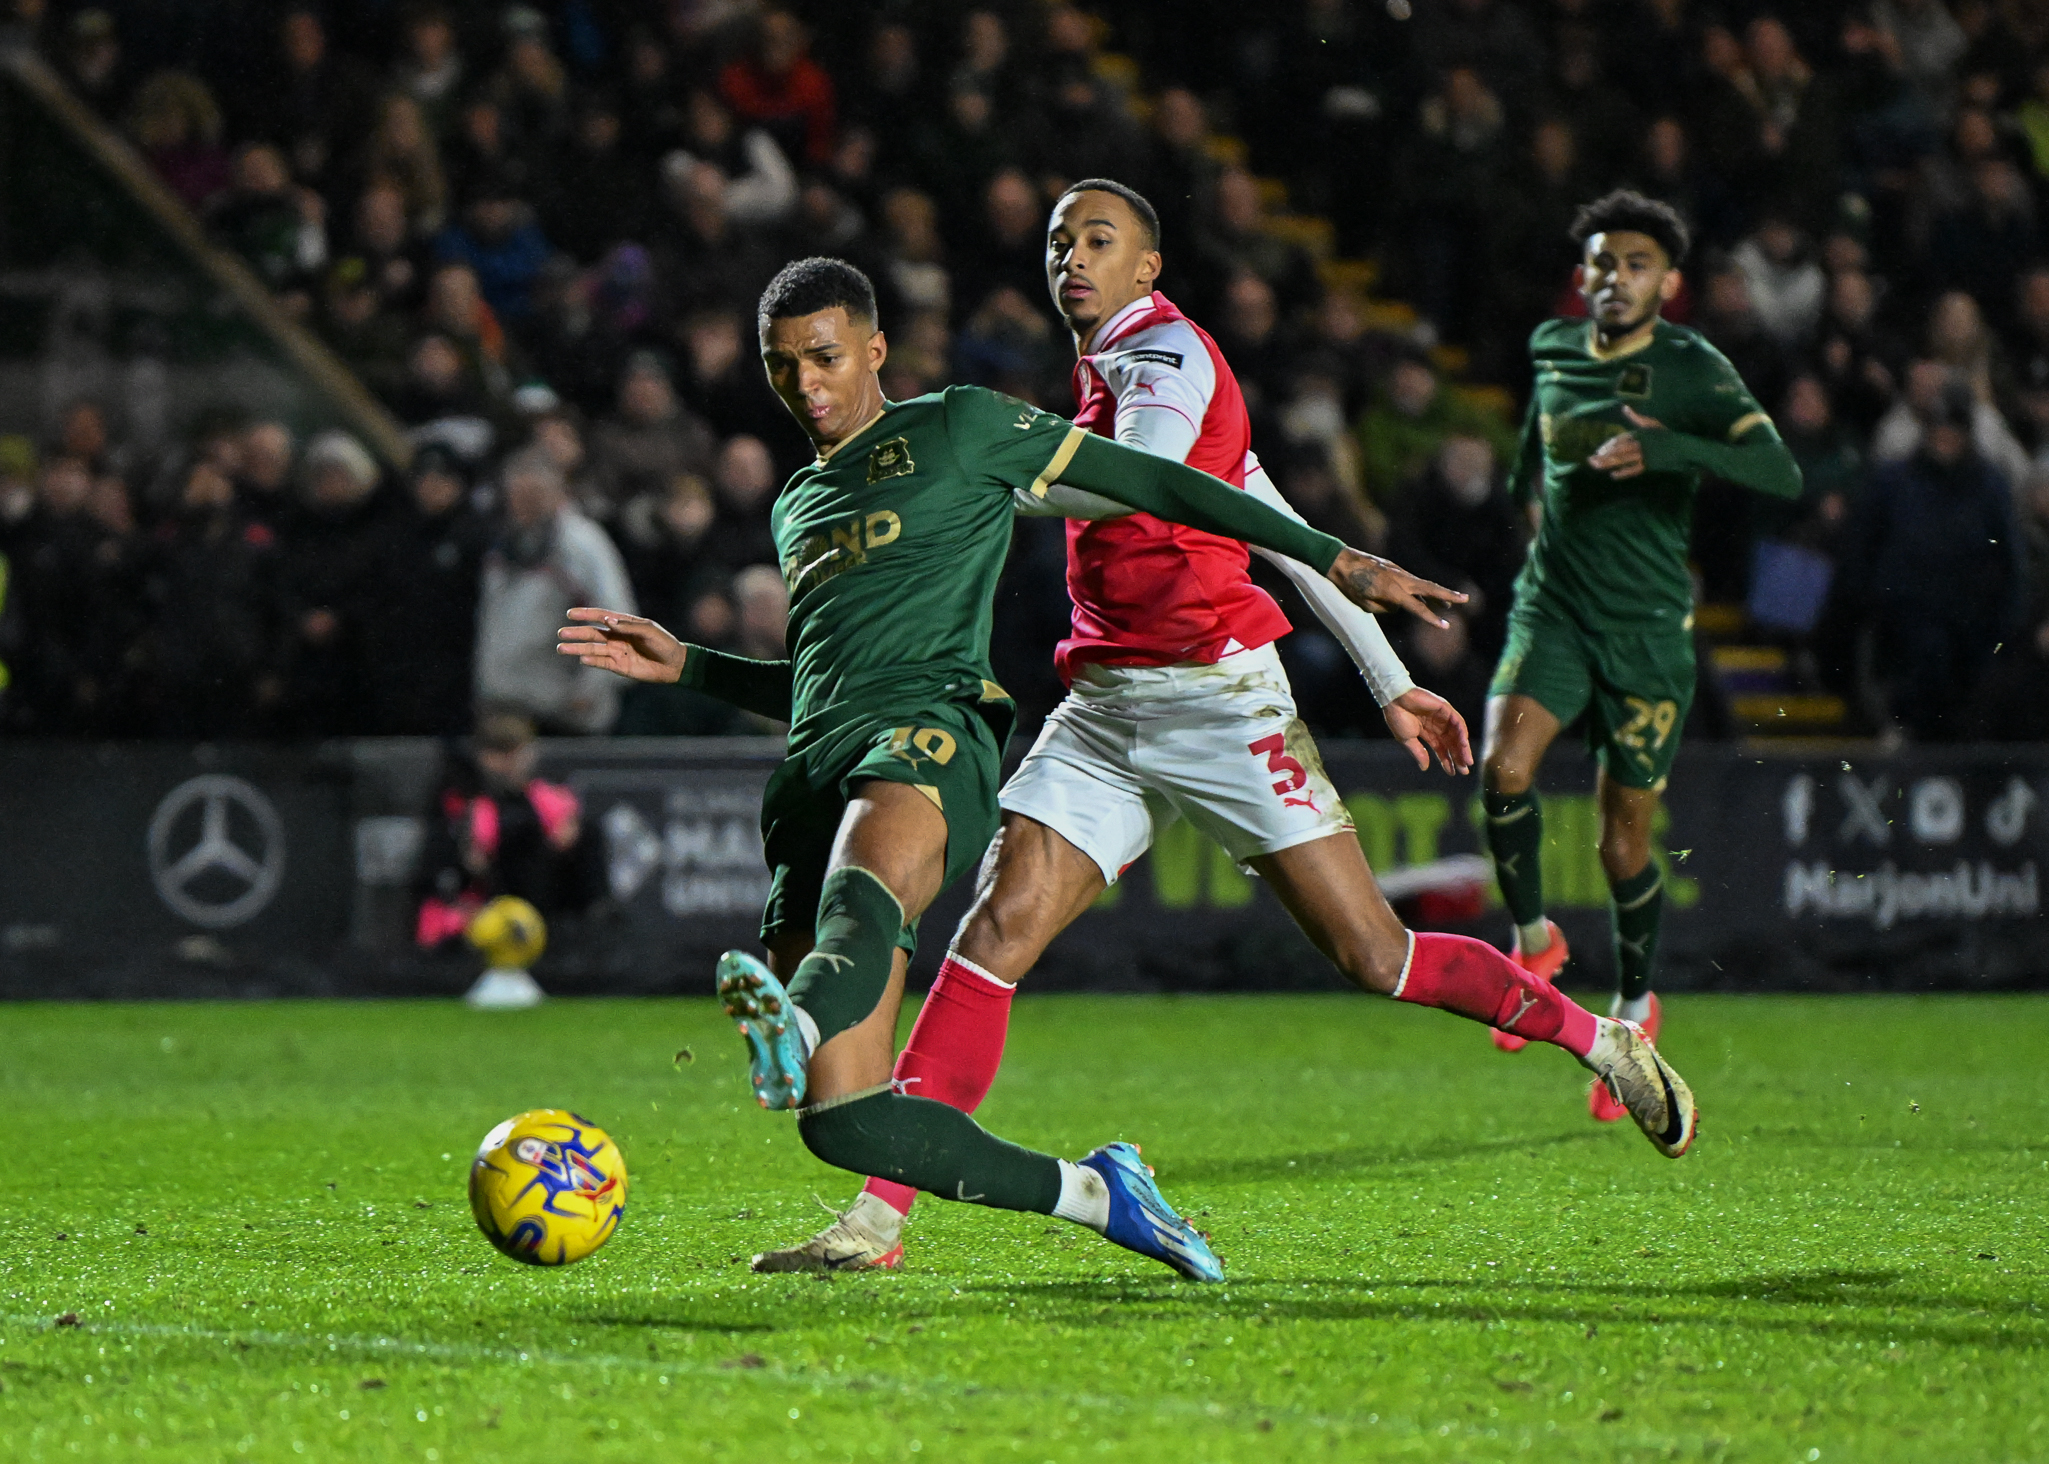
(1627, 210)
(807, 286)
(1140, 204)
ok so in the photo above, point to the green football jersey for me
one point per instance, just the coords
(920, 503)
(1613, 551)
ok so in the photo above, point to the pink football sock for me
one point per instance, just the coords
(955, 1048)
(1475, 980)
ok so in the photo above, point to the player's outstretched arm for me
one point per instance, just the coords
(637, 648)
(1183, 495)
(1425, 723)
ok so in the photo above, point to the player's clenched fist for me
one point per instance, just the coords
(1377, 584)
(631, 645)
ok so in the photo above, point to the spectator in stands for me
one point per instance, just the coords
(965, 145)
(1859, 360)
(485, 146)
(263, 479)
(430, 70)
(745, 482)
(763, 602)
(649, 438)
(1731, 321)
(329, 590)
(1983, 243)
(547, 558)
(503, 246)
(650, 98)
(1941, 574)
(1408, 422)
(722, 381)
(1088, 131)
(2012, 702)
(496, 829)
(1831, 473)
(1959, 338)
(1238, 242)
(557, 433)
(1181, 173)
(92, 63)
(892, 90)
(711, 260)
(278, 227)
(312, 101)
(531, 87)
(1450, 169)
(177, 125)
(1008, 249)
(760, 185)
(56, 581)
(1533, 255)
(1490, 38)
(427, 566)
(912, 273)
(1901, 432)
(777, 85)
(1456, 519)
(401, 159)
(662, 538)
(1008, 343)
(213, 651)
(456, 309)
(1448, 661)
(371, 339)
(600, 193)
(1783, 280)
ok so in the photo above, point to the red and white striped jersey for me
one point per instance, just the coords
(1147, 592)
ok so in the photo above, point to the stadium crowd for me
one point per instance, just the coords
(537, 234)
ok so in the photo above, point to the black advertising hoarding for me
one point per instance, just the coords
(160, 871)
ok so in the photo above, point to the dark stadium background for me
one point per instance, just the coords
(272, 275)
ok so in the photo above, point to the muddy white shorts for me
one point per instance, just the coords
(1133, 748)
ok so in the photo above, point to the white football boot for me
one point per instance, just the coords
(867, 1237)
(1658, 1099)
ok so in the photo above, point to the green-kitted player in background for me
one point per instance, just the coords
(1627, 413)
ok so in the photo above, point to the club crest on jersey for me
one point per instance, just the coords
(1635, 380)
(891, 459)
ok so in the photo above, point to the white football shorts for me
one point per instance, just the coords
(1133, 748)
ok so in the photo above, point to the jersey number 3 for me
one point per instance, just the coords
(1277, 761)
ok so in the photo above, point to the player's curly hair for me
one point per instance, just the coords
(1626, 209)
(807, 286)
(1148, 216)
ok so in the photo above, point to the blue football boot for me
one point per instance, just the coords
(760, 1008)
(1141, 1219)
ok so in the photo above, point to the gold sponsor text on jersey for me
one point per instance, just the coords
(844, 546)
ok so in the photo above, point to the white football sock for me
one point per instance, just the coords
(1610, 1037)
(1084, 1198)
(1533, 939)
(879, 1216)
(807, 1031)
(1637, 1009)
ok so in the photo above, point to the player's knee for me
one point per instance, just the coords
(1624, 851)
(1373, 960)
(1502, 773)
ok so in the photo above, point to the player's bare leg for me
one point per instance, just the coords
(1519, 732)
(1326, 885)
(1636, 883)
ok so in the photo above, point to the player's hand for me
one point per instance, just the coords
(1424, 722)
(630, 645)
(1377, 584)
(1622, 456)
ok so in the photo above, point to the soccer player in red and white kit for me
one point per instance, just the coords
(1178, 708)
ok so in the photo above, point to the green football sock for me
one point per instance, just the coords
(843, 978)
(1515, 837)
(1639, 903)
(930, 1146)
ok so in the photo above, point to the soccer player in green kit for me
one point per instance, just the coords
(1627, 413)
(892, 542)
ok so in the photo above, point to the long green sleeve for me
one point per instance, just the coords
(1763, 463)
(1184, 495)
(760, 687)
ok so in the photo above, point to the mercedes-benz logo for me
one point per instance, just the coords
(217, 881)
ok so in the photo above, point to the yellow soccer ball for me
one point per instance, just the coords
(510, 933)
(548, 1187)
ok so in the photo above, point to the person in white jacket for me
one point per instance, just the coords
(548, 557)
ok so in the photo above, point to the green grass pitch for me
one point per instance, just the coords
(255, 1214)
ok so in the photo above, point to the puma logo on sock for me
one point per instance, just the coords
(1529, 1000)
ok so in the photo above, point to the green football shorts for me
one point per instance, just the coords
(946, 751)
(1635, 686)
